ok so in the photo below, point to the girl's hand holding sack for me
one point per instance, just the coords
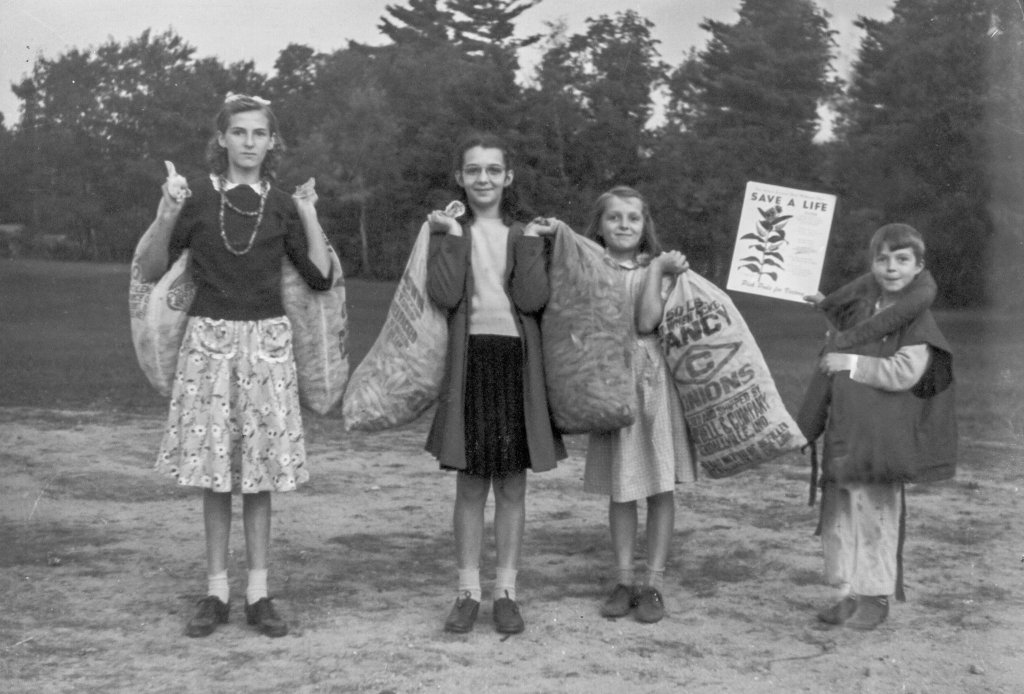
(733, 411)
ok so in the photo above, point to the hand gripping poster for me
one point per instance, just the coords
(781, 241)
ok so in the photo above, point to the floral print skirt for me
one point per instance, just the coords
(235, 421)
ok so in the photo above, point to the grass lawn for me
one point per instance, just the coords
(65, 344)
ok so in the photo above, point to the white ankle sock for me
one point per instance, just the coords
(505, 584)
(257, 588)
(469, 581)
(217, 586)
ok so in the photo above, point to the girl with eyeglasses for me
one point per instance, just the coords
(487, 270)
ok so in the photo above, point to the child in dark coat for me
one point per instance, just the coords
(888, 419)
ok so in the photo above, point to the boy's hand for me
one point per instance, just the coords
(834, 362)
(814, 299)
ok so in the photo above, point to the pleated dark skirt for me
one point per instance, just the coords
(495, 422)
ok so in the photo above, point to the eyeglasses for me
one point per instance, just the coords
(493, 172)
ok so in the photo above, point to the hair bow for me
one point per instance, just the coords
(232, 97)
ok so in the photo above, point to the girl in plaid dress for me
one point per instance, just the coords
(646, 459)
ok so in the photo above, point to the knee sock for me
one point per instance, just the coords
(469, 582)
(505, 584)
(656, 578)
(257, 588)
(217, 586)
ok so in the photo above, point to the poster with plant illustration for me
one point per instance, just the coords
(781, 241)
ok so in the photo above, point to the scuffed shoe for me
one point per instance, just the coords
(507, 619)
(262, 615)
(463, 615)
(211, 611)
(619, 603)
(840, 612)
(871, 611)
(650, 607)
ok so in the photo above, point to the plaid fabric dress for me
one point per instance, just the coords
(654, 453)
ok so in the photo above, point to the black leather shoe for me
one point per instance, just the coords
(650, 607)
(619, 603)
(840, 612)
(262, 614)
(507, 619)
(210, 612)
(463, 615)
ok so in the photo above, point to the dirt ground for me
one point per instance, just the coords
(101, 561)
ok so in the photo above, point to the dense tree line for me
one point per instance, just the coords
(928, 129)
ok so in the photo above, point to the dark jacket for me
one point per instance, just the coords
(876, 436)
(450, 286)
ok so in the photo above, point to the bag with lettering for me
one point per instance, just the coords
(587, 339)
(401, 375)
(734, 414)
(159, 315)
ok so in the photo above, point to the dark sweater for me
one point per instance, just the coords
(241, 287)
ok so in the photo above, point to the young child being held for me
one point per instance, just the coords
(890, 420)
(646, 459)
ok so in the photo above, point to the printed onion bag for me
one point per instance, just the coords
(159, 316)
(587, 336)
(733, 411)
(401, 375)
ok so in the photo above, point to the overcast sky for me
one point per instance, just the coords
(258, 30)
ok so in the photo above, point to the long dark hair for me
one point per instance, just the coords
(649, 246)
(217, 156)
(510, 206)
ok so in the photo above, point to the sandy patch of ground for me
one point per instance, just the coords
(101, 561)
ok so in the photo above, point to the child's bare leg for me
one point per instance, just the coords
(217, 522)
(622, 522)
(256, 519)
(661, 516)
(509, 526)
(468, 521)
(213, 609)
(258, 610)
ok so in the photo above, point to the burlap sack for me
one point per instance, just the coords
(734, 414)
(319, 335)
(159, 315)
(401, 375)
(587, 335)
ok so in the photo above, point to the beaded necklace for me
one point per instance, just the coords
(258, 214)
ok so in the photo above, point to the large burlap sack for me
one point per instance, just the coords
(159, 315)
(734, 414)
(587, 338)
(319, 335)
(401, 375)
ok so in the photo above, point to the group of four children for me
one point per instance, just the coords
(235, 421)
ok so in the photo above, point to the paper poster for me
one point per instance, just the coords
(781, 241)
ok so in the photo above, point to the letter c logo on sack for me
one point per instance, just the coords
(700, 365)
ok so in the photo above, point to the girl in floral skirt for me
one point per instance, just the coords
(235, 422)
